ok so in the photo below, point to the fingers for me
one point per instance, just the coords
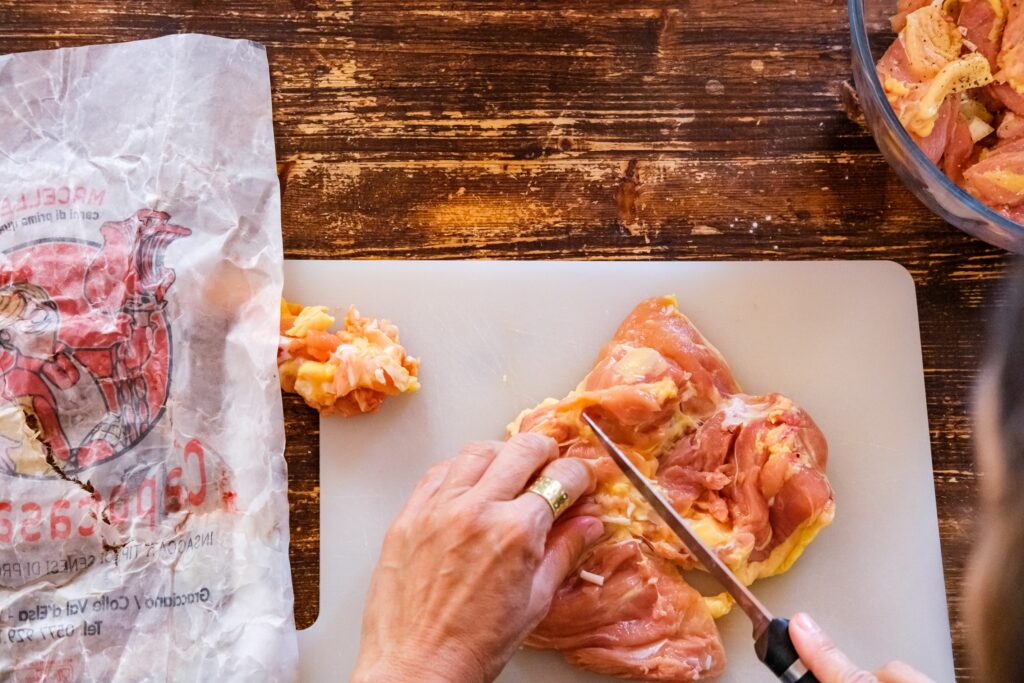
(515, 464)
(822, 656)
(566, 544)
(830, 665)
(576, 478)
(427, 486)
(470, 464)
(898, 672)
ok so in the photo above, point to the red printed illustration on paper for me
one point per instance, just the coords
(85, 348)
(47, 671)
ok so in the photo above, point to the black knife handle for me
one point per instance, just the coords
(776, 650)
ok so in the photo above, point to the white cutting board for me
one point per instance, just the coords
(841, 338)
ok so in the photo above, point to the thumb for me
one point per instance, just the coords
(566, 544)
(822, 656)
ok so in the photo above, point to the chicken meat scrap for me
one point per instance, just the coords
(348, 372)
(748, 472)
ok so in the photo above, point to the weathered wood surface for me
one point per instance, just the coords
(685, 129)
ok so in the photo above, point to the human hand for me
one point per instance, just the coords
(829, 665)
(470, 565)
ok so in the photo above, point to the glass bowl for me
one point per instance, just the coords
(871, 36)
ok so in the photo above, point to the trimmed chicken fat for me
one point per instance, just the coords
(347, 372)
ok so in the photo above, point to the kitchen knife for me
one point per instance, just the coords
(771, 634)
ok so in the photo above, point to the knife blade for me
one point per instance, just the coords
(771, 634)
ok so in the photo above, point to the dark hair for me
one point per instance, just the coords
(1006, 356)
(995, 605)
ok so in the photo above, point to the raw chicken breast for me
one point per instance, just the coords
(998, 179)
(924, 67)
(748, 472)
(983, 22)
(752, 480)
(1011, 52)
(644, 622)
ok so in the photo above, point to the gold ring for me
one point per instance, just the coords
(553, 492)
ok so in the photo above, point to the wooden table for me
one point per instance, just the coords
(639, 129)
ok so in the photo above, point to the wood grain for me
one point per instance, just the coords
(601, 129)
